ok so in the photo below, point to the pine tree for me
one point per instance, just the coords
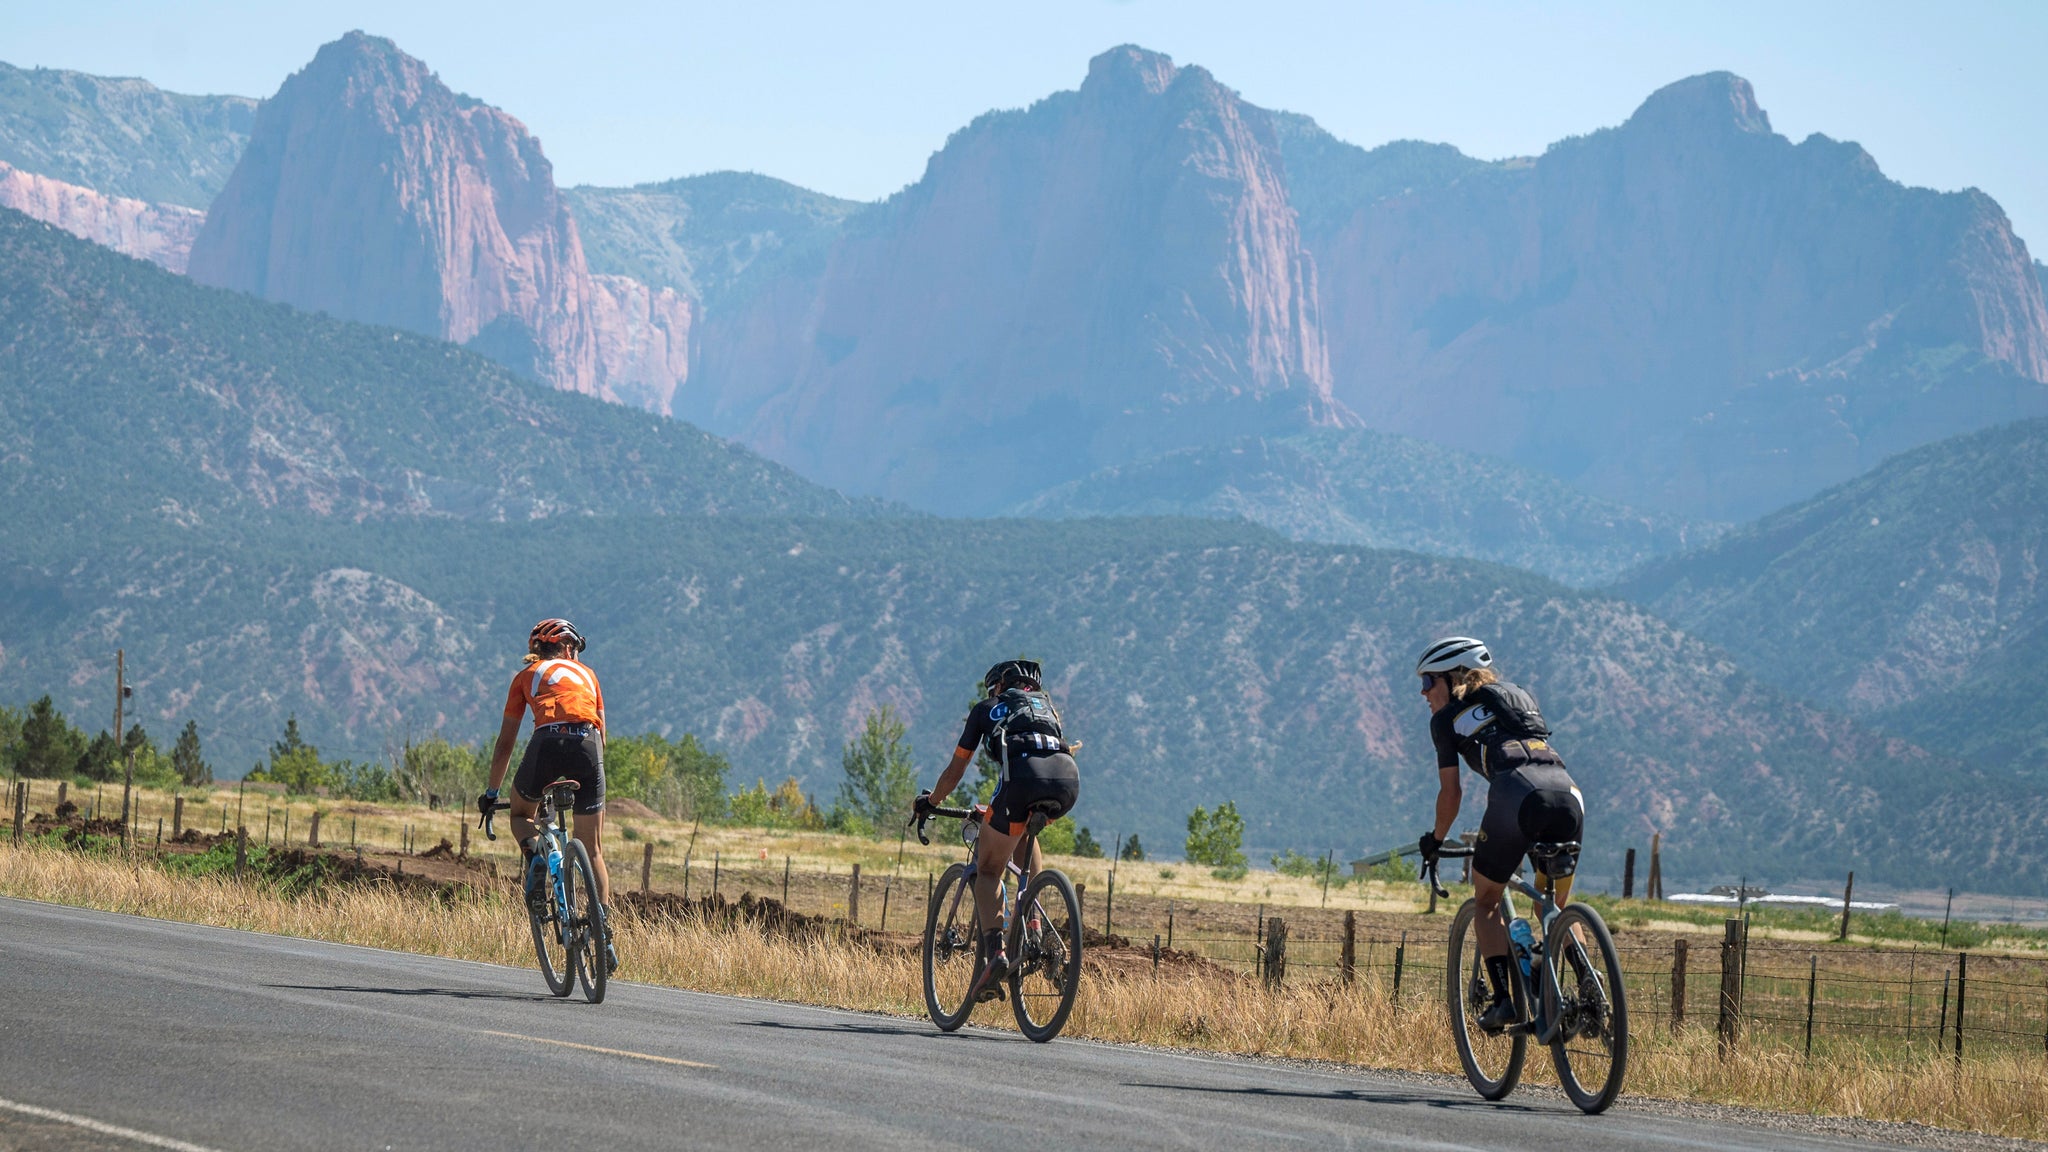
(185, 757)
(880, 779)
(49, 745)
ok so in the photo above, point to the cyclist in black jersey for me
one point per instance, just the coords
(1018, 726)
(1496, 728)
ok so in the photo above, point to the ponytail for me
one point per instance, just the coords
(533, 658)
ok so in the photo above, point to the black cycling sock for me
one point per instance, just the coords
(1501, 976)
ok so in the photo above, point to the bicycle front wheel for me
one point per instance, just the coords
(1493, 1061)
(1045, 956)
(588, 937)
(952, 933)
(550, 937)
(1586, 997)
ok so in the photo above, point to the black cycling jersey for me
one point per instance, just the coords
(1496, 728)
(1024, 739)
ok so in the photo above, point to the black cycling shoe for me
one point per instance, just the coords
(611, 951)
(996, 966)
(536, 886)
(1498, 1017)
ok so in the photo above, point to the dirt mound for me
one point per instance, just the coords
(627, 807)
(442, 851)
(763, 914)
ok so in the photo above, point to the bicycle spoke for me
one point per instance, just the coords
(950, 950)
(1492, 1061)
(1591, 1048)
(1045, 961)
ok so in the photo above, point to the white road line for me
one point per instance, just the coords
(103, 1128)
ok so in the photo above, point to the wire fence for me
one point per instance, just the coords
(1807, 996)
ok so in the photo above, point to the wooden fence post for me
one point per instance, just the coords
(1276, 952)
(1628, 876)
(20, 809)
(1679, 948)
(177, 817)
(853, 897)
(461, 837)
(1348, 962)
(646, 869)
(1812, 983)
(1656, 885)
(241, 849)
(1848, 890)
(159, 835)
(1155, 954)
(1962, 997)
(63, 786)
(313, 837)
(1729, 1025)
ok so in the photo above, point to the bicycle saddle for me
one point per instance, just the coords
(1046, 806)
(571, 785)
(1556, 861)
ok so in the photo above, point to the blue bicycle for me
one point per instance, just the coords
(570, 936)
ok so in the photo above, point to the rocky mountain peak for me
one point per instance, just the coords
(372, 191)
(1129, 69)
(1710, 104)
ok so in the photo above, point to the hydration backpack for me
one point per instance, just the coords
(1025, 720)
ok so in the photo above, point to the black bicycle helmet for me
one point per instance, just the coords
(1025, 670)
(555, 630)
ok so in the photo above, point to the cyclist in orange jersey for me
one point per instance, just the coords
(568, 744)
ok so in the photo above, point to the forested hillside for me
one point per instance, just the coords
(1911, 596)
(132, 392)
(1357, 486)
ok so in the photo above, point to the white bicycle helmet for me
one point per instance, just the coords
(1454, 652)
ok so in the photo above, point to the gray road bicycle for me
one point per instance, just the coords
(1568, 990)
(1041, 933)
(569, 929)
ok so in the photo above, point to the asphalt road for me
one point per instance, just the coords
(125, 1033)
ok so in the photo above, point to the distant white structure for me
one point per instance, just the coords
(1766, 898)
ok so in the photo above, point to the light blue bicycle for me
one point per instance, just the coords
(570, 936)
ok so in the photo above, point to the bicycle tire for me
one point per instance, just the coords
(1591, 1038)
(591, 970)
(952, 931)
(1493, 1064)
(1053, 958)
(555, 966)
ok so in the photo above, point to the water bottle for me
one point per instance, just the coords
(1525, 942)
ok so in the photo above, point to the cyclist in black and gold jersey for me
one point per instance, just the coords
(1018, 726)
(1496, 728)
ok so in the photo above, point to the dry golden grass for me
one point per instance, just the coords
(2000, 1095)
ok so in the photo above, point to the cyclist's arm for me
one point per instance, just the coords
(501, 756)
(950, 778)
(1450, 792)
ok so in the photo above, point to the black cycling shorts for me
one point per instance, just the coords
(1536, 803)
(552, 756)
(1052, 776)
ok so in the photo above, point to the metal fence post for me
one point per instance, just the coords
(1169, 923)
(1679, 949)
(1962, 997)
(1400, 957)
(1109, 903)
(1729, 1024)
(785, 882)
(1812, 983)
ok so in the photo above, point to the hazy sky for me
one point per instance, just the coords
(851, 98)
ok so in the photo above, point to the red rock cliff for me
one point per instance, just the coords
(371, 191)
(1113, 272)
(1688, 311)
(159, 233)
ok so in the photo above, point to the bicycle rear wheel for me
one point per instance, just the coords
(550, 940)
(1587, 998)
(1045, 956)
(591, 968)
(1493, 1062)
(952, 932)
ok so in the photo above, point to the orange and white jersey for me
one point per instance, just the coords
(558, 692)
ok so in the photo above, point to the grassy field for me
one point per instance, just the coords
(1363, 1025)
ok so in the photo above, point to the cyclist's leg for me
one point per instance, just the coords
(525, 798)
(994, 849)
(590, 830)
(1499, 852)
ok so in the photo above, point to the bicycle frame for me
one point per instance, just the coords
(548, 817)
(1542, 964)
(1023, 879)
